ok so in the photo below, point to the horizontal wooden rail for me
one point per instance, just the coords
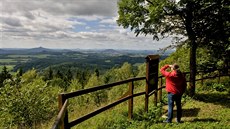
(151, 93)
(96, 88)
(60, 116)
(127, 96)
(93, 89)
(87, 116)
(210, 77)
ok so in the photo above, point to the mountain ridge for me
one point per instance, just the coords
(105, 51)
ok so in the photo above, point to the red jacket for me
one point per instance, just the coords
(175, 83)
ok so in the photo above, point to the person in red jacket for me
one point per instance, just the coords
(175, 86)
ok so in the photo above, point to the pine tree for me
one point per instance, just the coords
(4, 75)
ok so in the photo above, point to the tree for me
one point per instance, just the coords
(118, 74)
(182, 61)
(27, 101)
(124, 72)
(83, 76)
(97, 72)
(100, 96)
(4, 75)
(20, 72)
(59, 74)
(48, 74)
(193, 19)
(69, 76)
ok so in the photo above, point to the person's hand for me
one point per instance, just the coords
(170, 66)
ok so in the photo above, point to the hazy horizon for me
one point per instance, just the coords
(84, 49)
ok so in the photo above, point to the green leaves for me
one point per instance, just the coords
(4, 75)
(149, 17)
(29, 101)
(205, 22)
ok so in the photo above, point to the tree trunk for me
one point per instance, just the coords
(193, 47)
(192, 79)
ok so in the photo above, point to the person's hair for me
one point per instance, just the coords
(175, 66)
(177, 69)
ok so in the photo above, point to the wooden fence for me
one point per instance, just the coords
(62, 118)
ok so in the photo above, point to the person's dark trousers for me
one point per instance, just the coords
(171, 99)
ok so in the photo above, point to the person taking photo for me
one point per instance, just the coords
(175, 87)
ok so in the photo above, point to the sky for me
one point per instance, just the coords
(68, 24)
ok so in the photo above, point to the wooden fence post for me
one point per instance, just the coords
(61, 101)
(130, 108)
(152, 62)
(155, 97)
(60, 104)
(160, 91)
(146, 96)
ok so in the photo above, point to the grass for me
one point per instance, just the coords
(207, 110)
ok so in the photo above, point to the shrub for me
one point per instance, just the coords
(218, 87)
(28, 103)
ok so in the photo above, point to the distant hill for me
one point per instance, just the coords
(2, 51)
(38, 50)
(110, 51)
(101, 51)
(41, 58)
(31, 50)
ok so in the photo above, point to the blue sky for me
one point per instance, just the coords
(68, 24)
(94, 25)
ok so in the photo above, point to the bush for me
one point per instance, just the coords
(219, 87)
(211, 85)
(152, 116)
(28, 103)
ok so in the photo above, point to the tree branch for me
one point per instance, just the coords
(150, 2)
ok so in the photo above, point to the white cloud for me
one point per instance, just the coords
(66, 24)
(90, 17)
(109, 21)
